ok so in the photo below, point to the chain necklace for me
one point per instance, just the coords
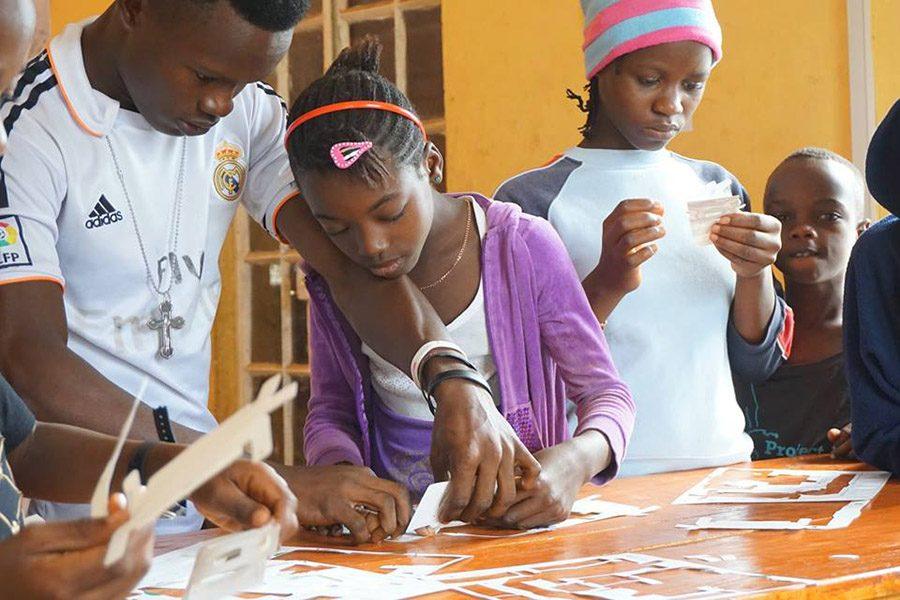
(163, 324)
(459, 255)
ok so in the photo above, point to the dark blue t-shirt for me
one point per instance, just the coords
(790, 413)
(16, 424)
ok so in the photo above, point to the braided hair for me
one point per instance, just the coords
(593, 105)
(396, 140)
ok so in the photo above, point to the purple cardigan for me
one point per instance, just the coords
(545, 340)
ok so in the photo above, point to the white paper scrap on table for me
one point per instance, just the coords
(839, 520)
(710, 523)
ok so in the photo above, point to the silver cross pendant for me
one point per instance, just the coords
(163, 326)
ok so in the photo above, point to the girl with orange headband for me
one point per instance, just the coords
(499, 279)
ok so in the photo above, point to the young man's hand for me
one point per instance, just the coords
(247, 495)
(474, 445)
(373, 509)
(65, 560)
(841, 442)
(629, 233)
(750, 241)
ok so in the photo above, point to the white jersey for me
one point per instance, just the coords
(64, 217)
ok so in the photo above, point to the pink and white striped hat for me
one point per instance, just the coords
(613, 28)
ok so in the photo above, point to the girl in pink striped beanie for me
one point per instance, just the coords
(682, 314)
(660, 54)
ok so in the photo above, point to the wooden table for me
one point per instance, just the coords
(805, 555)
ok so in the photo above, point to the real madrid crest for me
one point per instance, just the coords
(231, 173)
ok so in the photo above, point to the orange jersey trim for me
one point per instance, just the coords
(68, 100)
(277, 210)
(551, 161)
(34, 278)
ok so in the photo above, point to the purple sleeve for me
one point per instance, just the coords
(331, 434)
(572, 335)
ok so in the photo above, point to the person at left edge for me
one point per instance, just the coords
(132, 140)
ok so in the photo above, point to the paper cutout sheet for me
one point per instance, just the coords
(839, 520)
(625, 576)
(309, 572)
(245, 434)
(731, 485)
(232, 563)
(299, 573)
(425, 521)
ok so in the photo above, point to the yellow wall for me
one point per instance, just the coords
(886, 49)
(782, 85)
(63, 12)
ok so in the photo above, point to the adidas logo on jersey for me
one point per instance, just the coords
(103, 214)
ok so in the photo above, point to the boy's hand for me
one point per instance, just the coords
(750, 241)
(65, 560)
(629, 233)
(373, 509)
(551, 499)
(841, 443)
(247, 495)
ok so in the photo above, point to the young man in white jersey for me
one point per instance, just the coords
(66, 559)
(131, 141)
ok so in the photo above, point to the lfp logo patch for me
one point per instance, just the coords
(13, 249)
(9, 235)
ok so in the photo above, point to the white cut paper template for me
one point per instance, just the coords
(618, 576)
(613, 577)
(314, 579)
(712, 489)
(232, 563)
(591, 509)
(245, 434)
(426, 514)
(100, 497)
(715, 488)
(714, 201)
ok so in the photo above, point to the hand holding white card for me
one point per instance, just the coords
(246, 434)
(703, 214)
(426, 515)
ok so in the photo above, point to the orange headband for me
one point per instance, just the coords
(354, 105)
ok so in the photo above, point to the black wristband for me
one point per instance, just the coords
(470, 375)
(451, 355)
(138, 459)
(163, 426)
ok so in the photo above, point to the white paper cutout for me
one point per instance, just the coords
(100, 497)
(232, 563)
(714, 202)
(714, 489)
(426, 515)
(612, 577)
(721, 487)
(312, 579)
(245, 434)
(591, 509)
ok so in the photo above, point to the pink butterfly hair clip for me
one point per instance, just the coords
(345, 154)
